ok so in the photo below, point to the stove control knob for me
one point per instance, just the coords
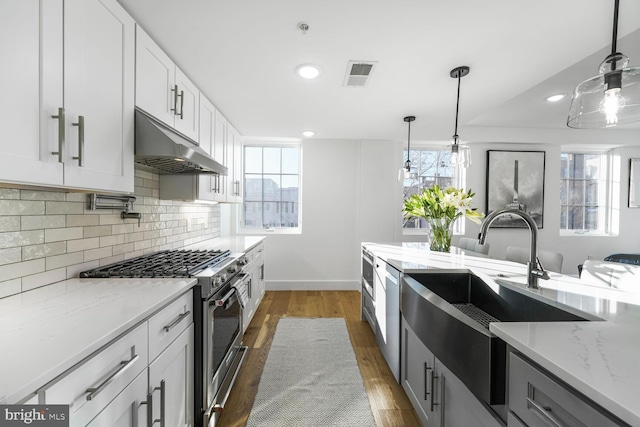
(232, 269)
(217, 280)
(243, 261)
(223, 278)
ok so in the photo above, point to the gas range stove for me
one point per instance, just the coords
(212, 268)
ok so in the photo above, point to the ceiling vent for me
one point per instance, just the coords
(359, 73)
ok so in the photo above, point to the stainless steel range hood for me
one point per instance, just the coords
(169, 152)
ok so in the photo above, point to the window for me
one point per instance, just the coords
(583, 192)
(271, 187)
(429, 166)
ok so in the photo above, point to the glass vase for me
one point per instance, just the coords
(440, 232)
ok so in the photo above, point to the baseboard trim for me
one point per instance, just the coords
(312, 285)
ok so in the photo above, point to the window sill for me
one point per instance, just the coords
(568, 233)
(269, 231)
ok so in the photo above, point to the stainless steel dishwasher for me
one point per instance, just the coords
(387, 313)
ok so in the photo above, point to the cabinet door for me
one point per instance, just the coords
(207, 183)
(188, 116)
(173, 371)
(418, 365)
(31, 46)
(237, 164)
(126, 410)
(155, 79)
(455, 405)
(99, 61)
(249, 308)
(220, 154)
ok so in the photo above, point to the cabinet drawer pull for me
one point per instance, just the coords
(175, 322)
(126, 364)
(80, 157)
(61, 134)
(542, 412)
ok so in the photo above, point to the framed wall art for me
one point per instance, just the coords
(515, 179)
(634, 183)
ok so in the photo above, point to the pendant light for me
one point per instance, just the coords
(613, 96)
(406, 171)
(460, 154)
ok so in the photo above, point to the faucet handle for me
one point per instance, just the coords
(539, 271)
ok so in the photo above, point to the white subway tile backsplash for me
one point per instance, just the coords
(41, 279)
(49, 236)
(58, 234)
(94, 254)
(10, 287)
(97, 231)
(9, 193)
(65, 260)
(41, 195)
(64, 208)
(82, 220)
(83, 244)
(21, 238)
(21, 269)
(10, 255)
(36, 222)
(44, 250)
(21, 207)
(9, 223)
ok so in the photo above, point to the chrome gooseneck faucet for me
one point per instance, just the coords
(535, 270)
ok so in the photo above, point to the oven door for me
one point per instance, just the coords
(224, 345)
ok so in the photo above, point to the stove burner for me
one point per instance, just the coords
(176, 263)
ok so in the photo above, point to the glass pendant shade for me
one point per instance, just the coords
(459, 154)
(611, 98)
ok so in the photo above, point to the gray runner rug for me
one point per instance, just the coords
(311, 378)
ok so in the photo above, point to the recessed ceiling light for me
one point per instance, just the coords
(308, 71)
(556, 98)
(308, 133)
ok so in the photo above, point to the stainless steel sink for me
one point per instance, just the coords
(451, 312)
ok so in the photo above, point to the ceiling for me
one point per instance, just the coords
(242, 54)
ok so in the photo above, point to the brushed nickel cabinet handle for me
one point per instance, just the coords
(181, 104)
(175, 99)
(544, 413)
(80, 125)
(61, 134)
(433, 378)
(175, 322)
(126, 364)
(426, 384)
(149, 403)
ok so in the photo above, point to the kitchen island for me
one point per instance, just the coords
(598, 358)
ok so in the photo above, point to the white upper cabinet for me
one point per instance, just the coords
(99, 94)
(234, 163)
(163, 91)
(71, 90)
(210, 186)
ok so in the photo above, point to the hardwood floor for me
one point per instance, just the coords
(387, 398)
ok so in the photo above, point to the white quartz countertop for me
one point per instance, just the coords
(600, 358)
(46, 331)
(233, 243)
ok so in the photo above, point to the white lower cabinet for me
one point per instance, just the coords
(438, 397)
(149, 369)
(128, 409)
(90, 386)
(171, 383)
(255, 284)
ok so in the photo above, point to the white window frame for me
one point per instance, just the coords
(605, 196)
(279, 230)
(460, 179)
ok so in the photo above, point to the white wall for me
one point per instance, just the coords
(325, 255)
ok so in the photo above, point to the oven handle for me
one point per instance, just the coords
(222, 301)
